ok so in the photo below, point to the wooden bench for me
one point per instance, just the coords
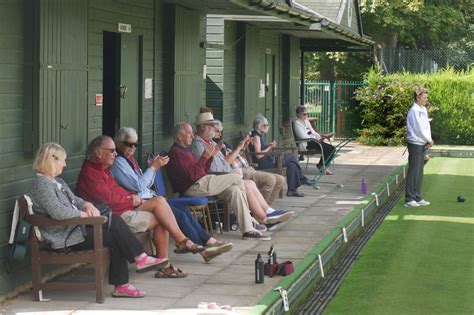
(99, 256)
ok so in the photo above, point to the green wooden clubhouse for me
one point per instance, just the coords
(74, 69)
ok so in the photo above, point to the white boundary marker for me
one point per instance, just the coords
(388, 189)
(321, 265)
(404, 174)
(344, 233)
(362, 217)
(376, 198)
(396, 179)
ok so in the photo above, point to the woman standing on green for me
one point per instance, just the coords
(419, 141)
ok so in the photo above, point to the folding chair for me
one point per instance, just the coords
(318, 151)
(197, 205)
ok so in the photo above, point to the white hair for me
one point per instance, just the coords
(125, 133)
(259, 119)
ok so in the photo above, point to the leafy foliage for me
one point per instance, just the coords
(385, 101)
(425, 24)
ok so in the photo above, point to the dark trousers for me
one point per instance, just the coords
(328, 152)
(416, 163)
(294, 173)
(188, 225)
(123, 246)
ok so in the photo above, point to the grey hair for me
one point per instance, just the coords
(95, 144)
(301, 109)
(125, 133)
(259, 119)
(180, 128)
(219, 125)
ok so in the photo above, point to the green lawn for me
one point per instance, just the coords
(421, 260)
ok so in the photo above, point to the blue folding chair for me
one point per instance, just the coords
(194, 204)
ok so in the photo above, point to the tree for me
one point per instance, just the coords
(424, 24)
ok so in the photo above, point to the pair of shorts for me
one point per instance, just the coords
(137, 221)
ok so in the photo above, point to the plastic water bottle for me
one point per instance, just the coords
(259, 269)
(363, 186)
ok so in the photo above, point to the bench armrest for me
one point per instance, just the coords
(39, 220)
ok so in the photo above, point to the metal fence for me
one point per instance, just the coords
(332, 107)
(422, 61)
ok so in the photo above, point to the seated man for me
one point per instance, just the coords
(95, 184)
(206, 131)
(190, 177)
(128, 174)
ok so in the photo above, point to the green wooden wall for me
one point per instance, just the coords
(51, 68)
(15, 90)
(105, 15)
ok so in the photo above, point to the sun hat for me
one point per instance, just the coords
(205, 118)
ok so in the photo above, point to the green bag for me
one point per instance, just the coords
(23, 229)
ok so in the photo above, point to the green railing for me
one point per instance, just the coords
(333, 112)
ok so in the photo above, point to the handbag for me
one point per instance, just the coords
(105, 211)
(22, 231)
(281, 269)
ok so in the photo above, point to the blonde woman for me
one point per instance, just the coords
(52, 197)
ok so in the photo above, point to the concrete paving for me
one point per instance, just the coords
(229, 279)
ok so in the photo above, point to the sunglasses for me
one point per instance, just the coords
(110, 150)
(130, 144)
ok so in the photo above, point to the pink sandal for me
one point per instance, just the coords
(149, 263)
(128, 291)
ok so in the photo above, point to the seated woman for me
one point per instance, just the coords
(52, 198)
(261, 210)
(128, 174)
(294, 174)
(304, 130)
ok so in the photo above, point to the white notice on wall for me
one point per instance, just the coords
(204, 72)
(261, 92)
(148, 88)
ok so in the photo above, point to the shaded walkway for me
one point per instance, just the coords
(230, 278)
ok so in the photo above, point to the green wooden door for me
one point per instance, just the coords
(130, 81)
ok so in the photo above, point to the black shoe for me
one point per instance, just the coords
(294, 194)
(310, 182)
(301, 158)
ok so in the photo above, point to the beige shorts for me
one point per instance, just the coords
(137, 221)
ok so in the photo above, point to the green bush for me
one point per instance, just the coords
(386, 99)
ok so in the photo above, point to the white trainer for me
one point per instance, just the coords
(423, 202)
(412, 203)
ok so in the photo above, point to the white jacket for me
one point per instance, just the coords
(418, 125)
(303, 130)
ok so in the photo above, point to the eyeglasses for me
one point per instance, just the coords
(110, 150)
(265, 125)
(130, 144)
(304, 114)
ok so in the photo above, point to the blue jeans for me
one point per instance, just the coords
(188, 225)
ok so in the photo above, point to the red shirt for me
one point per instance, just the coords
(183, 169)
(97, 185)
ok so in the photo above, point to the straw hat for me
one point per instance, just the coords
(205, 118)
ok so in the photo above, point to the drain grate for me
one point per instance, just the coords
(327, 288)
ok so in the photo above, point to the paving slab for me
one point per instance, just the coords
(229, 279)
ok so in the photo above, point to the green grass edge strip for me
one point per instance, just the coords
(273, 297)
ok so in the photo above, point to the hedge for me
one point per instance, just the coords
(386, 99)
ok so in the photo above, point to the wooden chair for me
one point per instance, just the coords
(198, 206)
(318, 151)
(99, 256)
